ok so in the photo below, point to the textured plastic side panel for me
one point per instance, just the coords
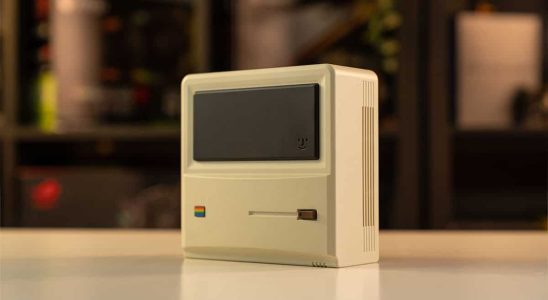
(356, 170)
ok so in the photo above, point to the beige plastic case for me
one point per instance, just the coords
(251, 206)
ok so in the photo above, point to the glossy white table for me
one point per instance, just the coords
(43, 264)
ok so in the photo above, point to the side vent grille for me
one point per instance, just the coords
(368, 167)
(319, 264)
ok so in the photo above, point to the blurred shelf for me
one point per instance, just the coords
(119, 133)
(501, 133)
(509, 142)
(388, 133)
(498, 225)
(32, 134)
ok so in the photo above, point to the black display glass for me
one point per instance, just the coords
(257, 124)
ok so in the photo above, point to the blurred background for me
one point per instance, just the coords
(89, 102)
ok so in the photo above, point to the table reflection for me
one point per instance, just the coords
(206, 279)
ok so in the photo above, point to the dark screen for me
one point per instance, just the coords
(271, 123)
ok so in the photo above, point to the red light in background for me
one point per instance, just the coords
(42, 9)
(141, 95)
(45, 195)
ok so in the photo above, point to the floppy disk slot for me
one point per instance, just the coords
(300, 214)
(290, 214)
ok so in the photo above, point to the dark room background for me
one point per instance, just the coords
(90, 102)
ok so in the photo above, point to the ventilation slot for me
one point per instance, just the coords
(319, 264)
(368, 167)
